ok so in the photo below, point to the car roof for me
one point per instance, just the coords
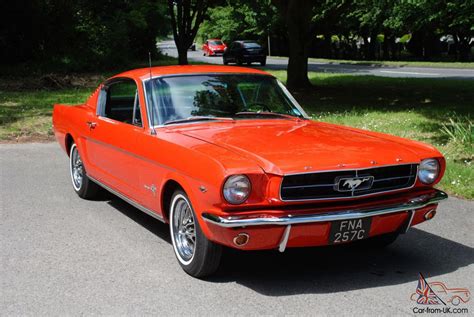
(144, 73)
(214, 39)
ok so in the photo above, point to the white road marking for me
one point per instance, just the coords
(409, 73)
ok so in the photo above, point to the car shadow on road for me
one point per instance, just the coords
(153, 225)
(340, 269)
(328, 269)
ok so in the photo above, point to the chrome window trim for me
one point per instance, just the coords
(100, 107)
(342, 170)
(160, 125)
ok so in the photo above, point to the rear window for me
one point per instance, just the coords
(215, 42)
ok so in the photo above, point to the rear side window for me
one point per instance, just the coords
(122, 103)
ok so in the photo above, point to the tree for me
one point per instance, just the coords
(186, 17)
(240, 20)
(80, 35)
(297, 15)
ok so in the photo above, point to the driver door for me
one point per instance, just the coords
(113, 136)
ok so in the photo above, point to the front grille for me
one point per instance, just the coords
(324, 185)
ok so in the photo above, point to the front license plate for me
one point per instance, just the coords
(349, 230)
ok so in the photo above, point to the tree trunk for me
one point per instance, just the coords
(372, 46)
(298, 20)
(186, 16)
(386, 47)
(182, 55)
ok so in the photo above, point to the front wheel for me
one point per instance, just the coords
(198, 256)
(82, 185)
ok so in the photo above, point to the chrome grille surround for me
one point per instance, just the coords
(323, 185)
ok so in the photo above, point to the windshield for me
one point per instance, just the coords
(232, 96)
(215, 42)
(251, 45)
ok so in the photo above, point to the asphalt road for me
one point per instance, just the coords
(169, 48)
(61, 255)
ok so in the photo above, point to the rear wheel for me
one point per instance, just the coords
(225, 61)
(198, 256)
(239, 62)
(82, 185)
(263, 63)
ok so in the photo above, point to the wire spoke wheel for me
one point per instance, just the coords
(77, 169)
(184, 235)
(196, 255)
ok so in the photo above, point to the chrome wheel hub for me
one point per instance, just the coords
(183, 229)
(77, 169)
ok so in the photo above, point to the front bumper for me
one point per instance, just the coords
(243, 221)
(402, 214)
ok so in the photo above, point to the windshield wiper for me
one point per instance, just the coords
(197, 118)
(266, 113)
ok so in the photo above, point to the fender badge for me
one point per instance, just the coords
(151, 188)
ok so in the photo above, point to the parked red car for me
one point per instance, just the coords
(213, 47)
(227, 157)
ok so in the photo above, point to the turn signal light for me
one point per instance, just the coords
(241, 239)
(430, 214)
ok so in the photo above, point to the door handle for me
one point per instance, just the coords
(91, 124)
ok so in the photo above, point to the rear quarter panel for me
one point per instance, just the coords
(71, 119)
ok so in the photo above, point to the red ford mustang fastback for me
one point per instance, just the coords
(227, 157)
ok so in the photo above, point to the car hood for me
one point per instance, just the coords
(292, 146)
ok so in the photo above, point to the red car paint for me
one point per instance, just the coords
(213, 47)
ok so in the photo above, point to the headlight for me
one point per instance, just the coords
(237, 189)
(428, 171)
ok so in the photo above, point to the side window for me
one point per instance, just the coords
(122, 103)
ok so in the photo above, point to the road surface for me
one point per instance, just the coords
(61, 255)
(169, 48)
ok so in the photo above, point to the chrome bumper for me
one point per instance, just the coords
(262, 220)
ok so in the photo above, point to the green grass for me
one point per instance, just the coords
(413, 108)
(465, 65)
(26, 115)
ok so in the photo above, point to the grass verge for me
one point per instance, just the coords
(461, 65)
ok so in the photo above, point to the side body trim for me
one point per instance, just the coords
(129, 200)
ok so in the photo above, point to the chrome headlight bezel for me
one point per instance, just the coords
(428, 171)
(236, 189)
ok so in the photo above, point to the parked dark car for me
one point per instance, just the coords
(240, 52)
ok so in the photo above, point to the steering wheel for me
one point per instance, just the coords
(263, 106)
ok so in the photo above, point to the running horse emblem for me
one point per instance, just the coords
(353, 183)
